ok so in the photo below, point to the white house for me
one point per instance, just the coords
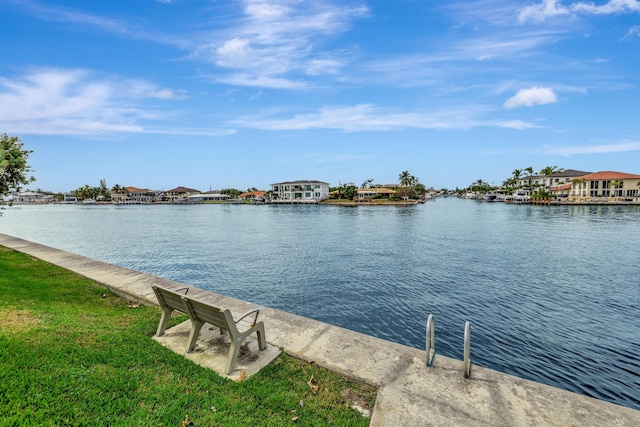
(300, 191)
(31, 197)
(558, 178)
(207, 197)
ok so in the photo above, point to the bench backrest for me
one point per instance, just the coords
(213, 315)
(197, 310)
(168, 298)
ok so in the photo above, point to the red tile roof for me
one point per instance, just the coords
(253, 193)
(608, 175)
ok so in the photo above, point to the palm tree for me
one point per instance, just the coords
(516, 176)
(578, 184)
(548, 172)
(618, 183)
(406, 179)
(368, 183)
(119, 190)
(529, 171)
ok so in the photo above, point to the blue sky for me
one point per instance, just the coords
(216, 94)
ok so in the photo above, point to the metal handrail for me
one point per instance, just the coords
(431, 340)
(467, 349)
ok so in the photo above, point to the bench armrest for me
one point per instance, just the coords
(255, 319)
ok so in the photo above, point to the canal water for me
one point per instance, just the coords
(552, 293)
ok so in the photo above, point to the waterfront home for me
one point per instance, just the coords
(376, 192)
(559, 178)
(138, 195)
(561, 191)
(207, 197)
(300, 191)
(31, 197)
(178, 194)
(607, 184)
(253, 195)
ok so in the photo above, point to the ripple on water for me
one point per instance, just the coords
(551, 292)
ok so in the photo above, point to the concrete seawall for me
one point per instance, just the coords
(410, 394)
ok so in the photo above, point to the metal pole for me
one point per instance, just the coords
(431, 341)
(467, 349)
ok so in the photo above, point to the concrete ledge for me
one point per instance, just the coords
(410, 394)
(212, 349)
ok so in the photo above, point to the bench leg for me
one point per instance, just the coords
(193, 336)
(234, 350)
(164, 319)
(262, 340)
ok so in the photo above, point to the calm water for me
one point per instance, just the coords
(552, 293)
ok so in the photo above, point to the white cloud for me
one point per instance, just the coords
(74, 102)
(517, 124)
(552, 8)
(263, 82)
(276, 40)
(369, 117)
(633, 32)
(530, 97)
(65, 15)
(594, 149)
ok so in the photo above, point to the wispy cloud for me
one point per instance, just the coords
(633, 32)
(272, 41)
(369, 117)
(75, 102)
(65, 15)
(553, 8)
(535, 95)
(594, 149)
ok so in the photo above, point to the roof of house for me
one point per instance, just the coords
(183, 190)
(564, 187)
(301, 181)
(253, 193)
(608, 175)
(570, 173)
(377, 190)
(137, 190)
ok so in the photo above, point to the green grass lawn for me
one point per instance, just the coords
(73, 353)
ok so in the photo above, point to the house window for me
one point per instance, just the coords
(594, 185)
(307, 194)
(632, 193)
(297, 195)
(593, 193)
(605, 193)
(606, 184)
(317, 195)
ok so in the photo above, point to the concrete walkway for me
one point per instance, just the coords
(410, 394)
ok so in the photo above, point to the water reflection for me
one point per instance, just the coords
(551, 292)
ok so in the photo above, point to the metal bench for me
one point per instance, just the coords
(201, 312)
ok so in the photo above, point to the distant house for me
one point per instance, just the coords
(602, 184)
(252, 195)
(302, 191)
(31, 197)
(140, 195)
(69, 198)
(370, 193)
(179, 193)
(563, 190)
(559, 178)
(207, 197)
